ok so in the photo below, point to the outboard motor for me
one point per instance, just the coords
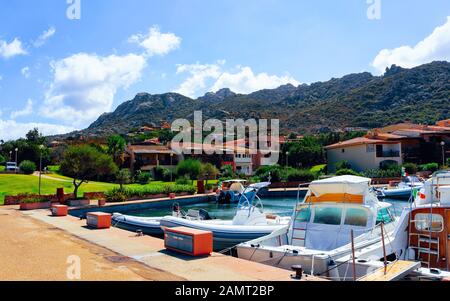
(176, 210)
(204, 215)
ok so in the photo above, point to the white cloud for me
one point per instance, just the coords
(84, 85)
(25, 72)
(155, 42)
(28, 110)
(12, 49)
(43, 38)
(434, 47)
(244, 80)
(10, 129)
(199, 75)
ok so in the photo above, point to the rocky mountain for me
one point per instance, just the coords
(420, 95)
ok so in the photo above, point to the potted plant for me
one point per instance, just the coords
(34, 203)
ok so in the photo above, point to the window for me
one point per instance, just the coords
(303, 215)
(384, 216)
(429, 222)
(356, 217)
(328, 215)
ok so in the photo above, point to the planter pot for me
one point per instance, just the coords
(101, 203)
(78, 203)
(35, 206)
(172, 195)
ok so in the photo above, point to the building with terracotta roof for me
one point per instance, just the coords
(364, 153)
(398, 143)
(149, 157)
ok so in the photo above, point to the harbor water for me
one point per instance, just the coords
(277, 206)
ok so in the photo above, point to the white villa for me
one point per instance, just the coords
(364, 153)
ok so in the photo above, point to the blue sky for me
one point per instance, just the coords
(61, 74)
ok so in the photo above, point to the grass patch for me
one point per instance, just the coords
(318, 168)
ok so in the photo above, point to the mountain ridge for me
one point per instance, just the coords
(420, 94)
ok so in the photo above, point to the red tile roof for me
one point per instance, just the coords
(359, 141)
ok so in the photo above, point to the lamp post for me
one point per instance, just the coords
(41, 148)
(16, 159)
(171, 167)
(287, 159)
(443, 153)
(10, 156)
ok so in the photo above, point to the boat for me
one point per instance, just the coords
(428, 232)
(230, 191)
(404, 190)
(152, 225)
(339, 231)
(250, 221)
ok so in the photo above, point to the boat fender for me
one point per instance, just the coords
(333, 272)
(411, 254)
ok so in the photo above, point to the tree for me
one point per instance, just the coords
(116, 147)
(123, 177)
(190, 168)
(84, 163)
(2, 160)
(209, 171)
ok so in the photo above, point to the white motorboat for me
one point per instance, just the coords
(334, 213)
(152, 225)
(404, 190)
(250, 221)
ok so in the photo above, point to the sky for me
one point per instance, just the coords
(63, 63)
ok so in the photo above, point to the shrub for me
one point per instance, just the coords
(121, 195)
(209, 171)
(347, 172)
(116, 195)
(33, 200)
(162, 174)
(302, 175)
(433, 167)
(27, 167)
(209, 186)
(143, 178)
(227, 172)
(410, 168)
(276, 173)
(382, 174)
(2, 160)
(183, 181)
(343, 165)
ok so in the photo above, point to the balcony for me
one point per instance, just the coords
(388, 154)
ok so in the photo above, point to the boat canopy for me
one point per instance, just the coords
(350, 185)
(235, 181)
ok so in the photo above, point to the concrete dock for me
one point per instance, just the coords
(40, 244)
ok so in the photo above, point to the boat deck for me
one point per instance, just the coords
(394, 271)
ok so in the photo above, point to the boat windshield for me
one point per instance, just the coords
(385, 216)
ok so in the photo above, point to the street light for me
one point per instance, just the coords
(171, 163)
(287, 159)
(10, 156)
(41, 148)
(443, 153)
(16, 159)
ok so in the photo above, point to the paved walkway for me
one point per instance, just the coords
(33, 250)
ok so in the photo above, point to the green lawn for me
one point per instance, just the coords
(12, 184)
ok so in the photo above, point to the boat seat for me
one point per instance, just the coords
(237, 187)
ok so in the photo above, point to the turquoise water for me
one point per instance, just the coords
(278, 206)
